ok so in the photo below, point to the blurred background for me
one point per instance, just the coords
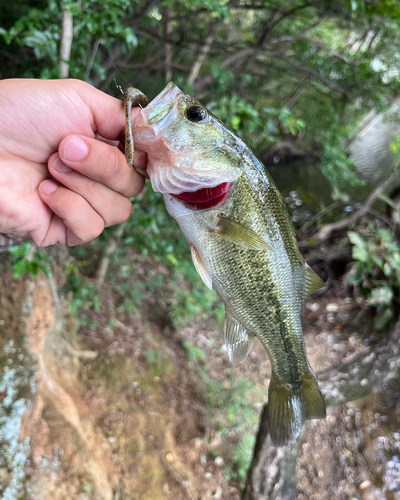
(114, 380)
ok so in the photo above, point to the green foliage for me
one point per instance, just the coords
(154, 359)
(83, 294)
(29, 260)
(233, 406)
(197, 301)
(194, 353)
(377, 271)
(275, 70)
(395, 145)
(97, 26)
(395, 149)
(243, 455)
(134, 297)
(152, 230)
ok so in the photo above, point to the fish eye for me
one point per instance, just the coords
(196, 113)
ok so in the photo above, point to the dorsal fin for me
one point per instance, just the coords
(312, 282)
(201, 268)
(237, 340)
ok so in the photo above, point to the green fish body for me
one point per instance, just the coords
(242, 243)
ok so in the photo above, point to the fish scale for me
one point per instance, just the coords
(244, 246)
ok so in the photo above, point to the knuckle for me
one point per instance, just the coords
(136, 186)
(121, 213)
(126, 210)
(112, 170)
(97, 228)
(91, 188)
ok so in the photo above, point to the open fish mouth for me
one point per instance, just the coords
(181, 161)
(206, 197)
(161, 106)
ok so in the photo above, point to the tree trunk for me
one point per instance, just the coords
(168, 46)
(272, 474)
(66, 42)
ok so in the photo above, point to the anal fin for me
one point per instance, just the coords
(237, 339)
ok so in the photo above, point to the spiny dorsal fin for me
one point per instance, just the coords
(237, 340)
(201, 268)
(241, 235)
(312, 281)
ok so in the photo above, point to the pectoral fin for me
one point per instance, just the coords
(237, 340)
(241, 235)
(312, 281)
(201, 268)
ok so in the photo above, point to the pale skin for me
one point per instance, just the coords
(62, 177)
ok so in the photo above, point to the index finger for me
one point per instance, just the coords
(107, 111)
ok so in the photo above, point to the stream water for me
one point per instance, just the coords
(307, 192)
(376, 418)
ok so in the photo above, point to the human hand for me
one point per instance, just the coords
(60, 183)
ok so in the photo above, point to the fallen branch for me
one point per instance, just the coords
(373, 371)
(177, 478)
(81, 354)
(326, 231)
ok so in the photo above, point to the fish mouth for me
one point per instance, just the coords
(161, 105)
(206, 197)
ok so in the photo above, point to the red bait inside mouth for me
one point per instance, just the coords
(206, 197)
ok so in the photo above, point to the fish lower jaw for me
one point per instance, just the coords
(205, 198)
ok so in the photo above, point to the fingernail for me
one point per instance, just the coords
(61, 167)
(75, 149)
(48, 187)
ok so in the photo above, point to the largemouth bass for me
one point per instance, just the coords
(241, 239)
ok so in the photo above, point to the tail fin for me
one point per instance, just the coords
(290, 406)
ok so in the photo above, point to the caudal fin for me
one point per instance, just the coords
(290, 406)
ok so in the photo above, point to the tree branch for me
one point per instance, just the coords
(257, 48)
(315, 74)
(326, 231)
(109, 63)
(92, 58)
(204, 50)
(314, 43)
